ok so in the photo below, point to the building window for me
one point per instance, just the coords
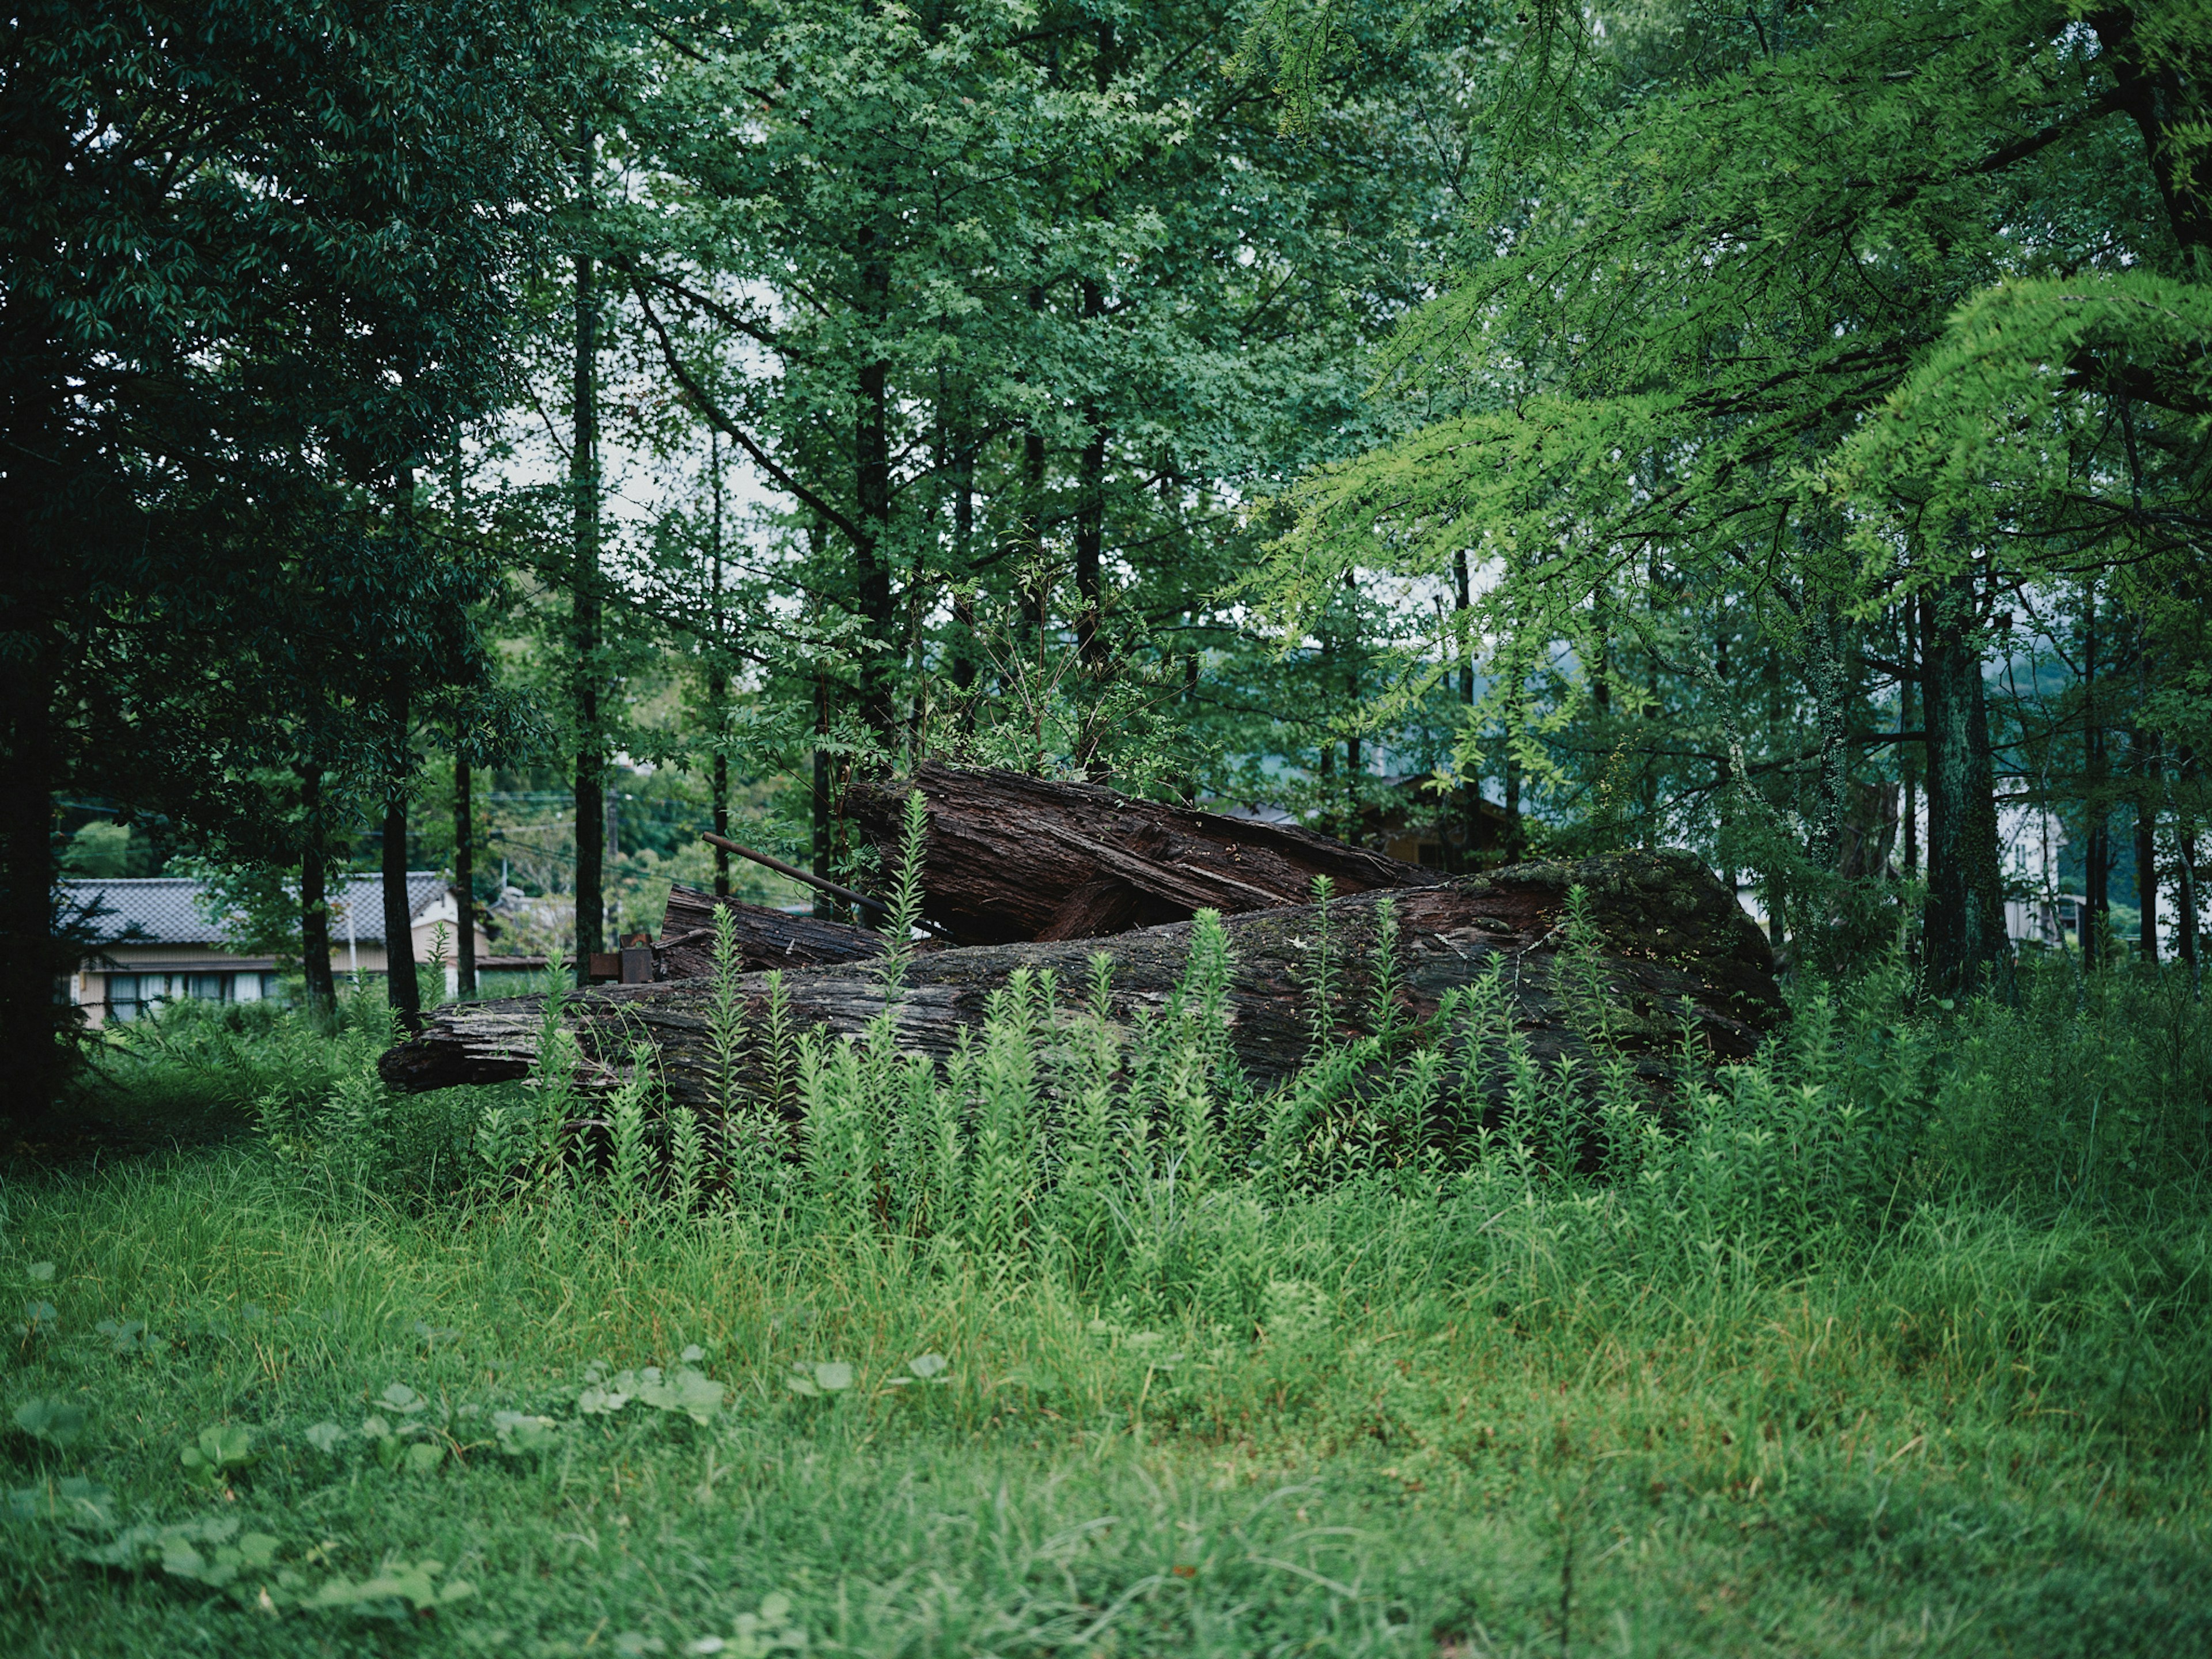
(124, 995)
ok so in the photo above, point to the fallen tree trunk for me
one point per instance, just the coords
(1012, 858)
(1671, 941)
(765, 938)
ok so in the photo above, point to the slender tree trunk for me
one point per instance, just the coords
(2149, 768)
(718, 679)
(2185, 849)
(1965, 924)
(400, 989)
(1908, 703)
(1090, 502)
(964, 548)
(1090, 488)
(1090, 543)
(2096, 924)
(584, 482)
(823, 904)
(465, 871)
(871, 478)
(1463, 601)
(321, 984)
(1352, 692)
(1032, 532)
(1516, 842)
(1830, 684)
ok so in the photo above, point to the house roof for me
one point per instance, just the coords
(166, 909)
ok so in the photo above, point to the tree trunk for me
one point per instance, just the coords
(1908, 715)
(820, 802)
(1091, 482)
(314, 901)
(465, 871)
(1965, 923)
(1352, 692)
(2149, 778)
(1463, 603)
(2184, 848)
(32, 956)
(584, 481)
(1672, 942)
(2096, 926)
(1829, 684)
(400, 987)
(872, 479)
(718, 678)
(1011, 857)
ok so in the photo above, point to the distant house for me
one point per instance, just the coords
(155, 943)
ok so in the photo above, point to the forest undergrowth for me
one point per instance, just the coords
(1896, 1339)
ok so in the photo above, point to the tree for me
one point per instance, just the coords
(1728, 332)
(1013, 350)
(242, 264)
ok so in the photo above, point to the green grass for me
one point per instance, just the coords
(1934, 1382)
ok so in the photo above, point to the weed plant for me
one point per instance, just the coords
(1897, 1338)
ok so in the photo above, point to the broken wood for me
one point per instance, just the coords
(1014, 858)
(1673, 942)
(765, 938)
(857, 901)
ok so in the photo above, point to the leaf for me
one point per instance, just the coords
(692, 1393)
(56, 1422)
(928, 1366)
(398, 1397)
(519, 1434)
(424, 1457)
(832, 1375)
(414, 1585)
(42, 1272)
(220, 1449)
(324, 1437)
(72, 1501)
(260, 1548)
(125, 1336)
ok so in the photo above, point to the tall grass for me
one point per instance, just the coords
(1897, 1336)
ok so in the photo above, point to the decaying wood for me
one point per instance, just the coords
(1014, 858)
(1672, 939)
(765, 938)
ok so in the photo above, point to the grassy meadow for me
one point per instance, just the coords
(1898, 1340)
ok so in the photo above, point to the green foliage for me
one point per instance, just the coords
(1826, 1319)
(57, 1423)
(221, 1451)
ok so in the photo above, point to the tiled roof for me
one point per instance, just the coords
(166, 909)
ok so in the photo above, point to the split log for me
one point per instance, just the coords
(1672, 939)
(1014, 858)
(765, 938)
